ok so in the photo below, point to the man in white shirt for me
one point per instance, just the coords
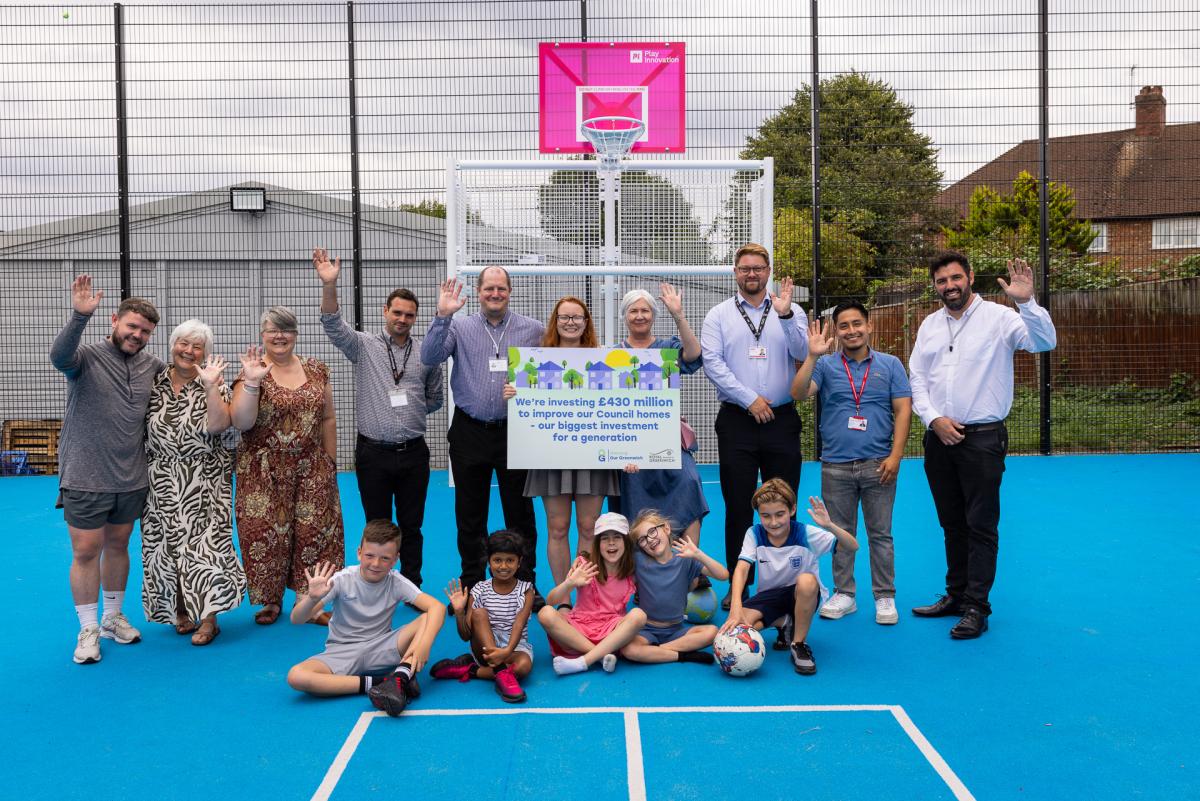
(962, 384)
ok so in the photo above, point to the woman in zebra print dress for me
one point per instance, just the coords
(192, 572)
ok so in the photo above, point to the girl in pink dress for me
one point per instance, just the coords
(600, 624)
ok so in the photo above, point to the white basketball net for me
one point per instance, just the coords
(612, 137)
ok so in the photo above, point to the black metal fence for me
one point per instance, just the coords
(123, 128)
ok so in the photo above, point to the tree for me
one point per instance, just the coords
(846, 260)
(433, 208)
(660, 223)
(879, 176)
(1016, 217)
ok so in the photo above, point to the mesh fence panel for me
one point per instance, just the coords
(919, 108)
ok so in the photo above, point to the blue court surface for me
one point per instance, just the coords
(1086, 686)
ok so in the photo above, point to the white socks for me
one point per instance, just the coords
(87, 614)
(112, 601)
(564, 666)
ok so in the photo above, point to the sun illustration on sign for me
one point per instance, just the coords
(618, 358)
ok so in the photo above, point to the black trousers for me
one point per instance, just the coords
(390, 477)
(476, 451)
(965, 482)
(747, 449)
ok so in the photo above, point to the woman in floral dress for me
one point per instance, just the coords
(191, 570)
(289, 515)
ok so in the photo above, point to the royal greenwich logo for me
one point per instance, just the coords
(665, 455)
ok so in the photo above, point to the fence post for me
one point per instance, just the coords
(123, 236)
(1043, 210)
(815, 135)
(355, 200)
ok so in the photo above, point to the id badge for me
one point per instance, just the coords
(398, 398)
(498, 365)
(757, 352)
(857, 423)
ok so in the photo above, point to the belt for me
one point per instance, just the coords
(391, 446)
(501, 423)
(736, 408)
(972, 428)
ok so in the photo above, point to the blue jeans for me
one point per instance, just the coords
(843, 485)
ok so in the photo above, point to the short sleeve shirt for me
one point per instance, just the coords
(663, 588)
(362, 610)
(502, 609)
(886, 380)
(779, 565)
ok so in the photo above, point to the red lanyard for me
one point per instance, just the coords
(857, 393)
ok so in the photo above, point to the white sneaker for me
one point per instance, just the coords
(116, 627)
(87, 649)
(838, 606)
(609, 663)
(885, 612)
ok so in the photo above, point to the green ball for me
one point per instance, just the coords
(701, 605)
(66, 15)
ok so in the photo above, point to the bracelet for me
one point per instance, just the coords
(250, 389)
(787, 316)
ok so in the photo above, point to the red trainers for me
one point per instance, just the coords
(460, 667)
(507, 687)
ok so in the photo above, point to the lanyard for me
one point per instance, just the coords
(487, 329)
(396, 376)
(857, 393)
(762, 322)
(954, 334)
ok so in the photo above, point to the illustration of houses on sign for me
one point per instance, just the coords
(650, 376)
(550, 375)
(600, 376)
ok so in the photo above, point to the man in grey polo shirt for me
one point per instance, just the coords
(102, 457)
(394, 392)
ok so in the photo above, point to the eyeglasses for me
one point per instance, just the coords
(271, 332)
(751, 270)
(653, 532)
(571, 318)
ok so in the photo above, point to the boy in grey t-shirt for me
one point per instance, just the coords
(363, 653)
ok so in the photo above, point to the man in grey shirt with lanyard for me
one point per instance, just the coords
(394, 392)
(478, 434)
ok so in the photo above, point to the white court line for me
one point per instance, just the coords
(635, 773)
(334, 774)
(633, 746)
(935, 759)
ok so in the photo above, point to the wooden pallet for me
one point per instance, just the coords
(38, 439)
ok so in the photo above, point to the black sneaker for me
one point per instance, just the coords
(783, 640)
(802, 659)
(392, 694)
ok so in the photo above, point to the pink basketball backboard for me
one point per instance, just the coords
(582, 80)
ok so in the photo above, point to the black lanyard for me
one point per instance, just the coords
(762, 322)
(396, 376)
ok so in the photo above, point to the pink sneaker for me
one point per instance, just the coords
(507, 687)
(460, 667)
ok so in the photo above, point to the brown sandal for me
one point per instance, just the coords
(267, 615)
(204, 636)
(184, 625)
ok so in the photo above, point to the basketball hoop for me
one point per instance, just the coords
(612, 137)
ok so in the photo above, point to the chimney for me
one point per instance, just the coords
(1151, 109)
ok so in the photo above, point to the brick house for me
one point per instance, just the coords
(1140, 187)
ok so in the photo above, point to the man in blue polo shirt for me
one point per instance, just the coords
(866, 407)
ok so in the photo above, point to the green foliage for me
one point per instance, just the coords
(879, 176)
(846, 260)
(434, 208)
(671, 232)
(1015, 218)
(572, 378)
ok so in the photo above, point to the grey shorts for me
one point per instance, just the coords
(93, 509)
(365, 658)
(502, 642)
(657, 635)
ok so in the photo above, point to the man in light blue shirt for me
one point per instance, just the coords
(866, 407)
(751, 343)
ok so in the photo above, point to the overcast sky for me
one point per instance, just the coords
(220, 94)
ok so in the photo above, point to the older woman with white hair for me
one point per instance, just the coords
(289, 513)
(677, 494)
(192, 572)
